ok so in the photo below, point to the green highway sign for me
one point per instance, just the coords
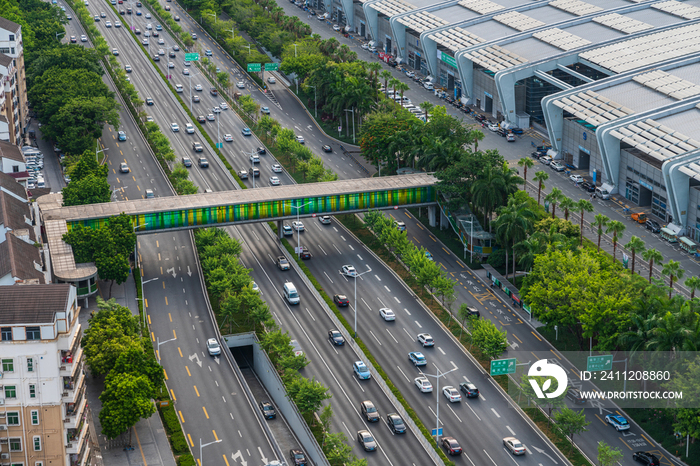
(599, 363)
(253, 67)
(503, 366)
(272, 66)
(192, 56)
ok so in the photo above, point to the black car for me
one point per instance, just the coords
(502, 132)
(297, 457)
(243, 175)
(473, 311)
(341, 300)
(268, 411)
(156, 58)
(587, 186)
(171, 54)
(327, 148)
(395, 423)
(261, 151)
(645, 458)
(469, 390)
(652, 225)
(336, 337)
(574, 394)
(451, 445)
(254, 172)
(536, 155)
(186, 161)
(201, 119)
(149, 101)
(305, 254)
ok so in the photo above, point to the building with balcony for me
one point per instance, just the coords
(14, 83)
(43, 407)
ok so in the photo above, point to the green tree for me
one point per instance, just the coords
(525, 163)
(540, 177)
(571, 423)
(137, 362)
(87, 165)
(486, 336)
(615, 227)
(512, 225)
(567, 204)
(636, 245)
(600, 221)
(308, 394)
(583, 205)
(672, 269)
(653, 257)
(125, 400)
(607, 455)
(546, 403)
(80, 121)
(553, 198)
(336, 449)
(92, 189)
(693, 283)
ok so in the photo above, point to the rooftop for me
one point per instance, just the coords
(10, 151)
(9, 25)
(14, 213)
(18, 258)
(33, 304)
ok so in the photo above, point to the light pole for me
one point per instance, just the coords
(60, 34)
(315, 103)
(437, 395)
(353, 122)
(299, 208)
(114, 191)
(215, 22)
(98, 151)
(158, 342)
(143, 283)
(205, 445)
(369, 269)
(233, 33)
(296, 78)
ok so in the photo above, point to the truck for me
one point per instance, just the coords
(639, 217)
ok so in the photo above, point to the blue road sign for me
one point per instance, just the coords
(437, 432)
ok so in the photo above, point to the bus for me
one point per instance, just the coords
(669, 235)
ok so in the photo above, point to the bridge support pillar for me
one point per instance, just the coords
(444, 221)
(279, 229)
(432, 220)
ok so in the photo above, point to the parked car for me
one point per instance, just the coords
(557, 166)
(588, 186)
(653, 226)
(576, 178)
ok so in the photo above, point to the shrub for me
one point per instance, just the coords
(180, 447)
(186, 460)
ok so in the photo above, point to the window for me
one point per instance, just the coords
(35, 417)
(12, 37)
(8, 365)
(6, 333)
(15, 444)
(10, 391)
(38, 463)
(37, 443)
(15, 168)
(4, 49)
(32, 390)
(30, 364)
(33, 333)
(13, 418)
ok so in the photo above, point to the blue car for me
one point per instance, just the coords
(138, 12)
(428, 256)
(121, 136)
(159, 27)
(417, 358)
(246, 132)
(361, 370)
(617, 421)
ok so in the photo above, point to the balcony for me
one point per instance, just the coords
(76, 438)
(74, 411)
(72, 386)
(81, 459)
(71, 361)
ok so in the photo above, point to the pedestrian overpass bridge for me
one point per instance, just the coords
(276, 203)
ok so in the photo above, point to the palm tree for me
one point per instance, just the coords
(374, 69)
(652, 256)
(615, 227)
(551, 238)
(485, 192)
(583, 205)
(635, 245)
(674, 271)
(567, 204)
(668, 333)
(525, 162)
(513, 222)
(426, 107)
(393, 82)
(402, 87)
(554, 197)
(694, 284)
(475, 135)
(540, 177)
(600, 221)
(385, 75)
(526, 250)
(639, 333)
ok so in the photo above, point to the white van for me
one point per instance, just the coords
(40, 183)
(602, 193)
(290, 293)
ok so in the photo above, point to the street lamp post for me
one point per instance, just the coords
(60, 34)
(158, 342)
(353, 123)
(299, 208)
(356, 276)
(315, 103)
(205, 445)
(142, 298)
(437, 396)
(98, 151)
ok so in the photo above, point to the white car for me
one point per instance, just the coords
(216, 110)
(186, 72)
(228, 137)
(108, 24)
(336, 27)
(387, 314)
(174, 127)
(256, 288)
(349, 270)
(557, 166)
(576, 178)
(274, 181)
(300, 139)
(213, 347)
(197, 87)
(423, 384)
(178, 88)
(189, 127)
(493, 127)
(452, 394)
(426, 339)
(326, 220)
(276, 168)
(240, 85)
(211, 117)
(223, 105)
(271, 80)
(83, 38)
(298, 226)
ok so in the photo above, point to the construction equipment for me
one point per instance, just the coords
(639, 217)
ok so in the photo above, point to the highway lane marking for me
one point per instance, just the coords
(375, 337)
(157, 244)
(169, 315)
(409, 335)
(555, 354)
(448, 252)
(174, 334)
(454, 365)
(310, 315)
(604, 423)
(514, 336)
(407, 312)
(216, 437)
(226, 459)
(351, 248)
(533, 353)
(625, 443)
(329, 278)
(377, 277)
(188, 371)
(416, 239)
(494, 412)
(205, 412)
(441, 423)
(392, 336)
(402, 373)
(143, 457)
(650, 442)
(195, 389)
(474, 412)
(360, 257)
(368, 307)
(182, 419)
(441, 350)
(511, 431)
(178, 348)
(172, 393)
(577, 374)
(387, 288)
(397, 300)
(163, 284)
(487, 454)
(441, 264)
(166, 298)
(431, 237)
(153, 336)
(535, 335)
(190, 438)
(346, 428)
(453, 412)
(419, 325)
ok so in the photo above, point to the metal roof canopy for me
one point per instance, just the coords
(392, 7)
(456, 38)
(657, 140)
(592, 107)
(422, 21)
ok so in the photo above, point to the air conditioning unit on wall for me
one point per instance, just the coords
(5, 456)
(3, 427)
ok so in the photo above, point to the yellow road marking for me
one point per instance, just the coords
(226, 460)
(157, 244)
(433, 239)
(601, 420)
(178, 348)
(195, 389)
(166, 300)
(188, 371)
(159, 256)
(138, 187)
(205, 412)
(448, 252)
(649, 441)
(163, 284)
(625, 443)
(145, 302)
(182, 419)
(149, 319)
(572, 370)
(416, 239)
(174, 334)
(536, 336)
(165, 374)
(555, 354)
(191, 442)
(216, 437)
(153, 337)
(516, 337)
(172, 393)
(443, 266)
(533, 353)
(170, 316)
(143, 457)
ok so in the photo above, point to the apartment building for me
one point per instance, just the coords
(14, 113)
(43, 406)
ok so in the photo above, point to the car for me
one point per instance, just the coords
(124, 168)
(275, 167)
(348, 270)
(73, 39)
(469, 389)
(423, 384)
(223, 105)
(587, 186)
(211, 117)
(159, 27)
(452, 446)
(228, 137)
(69, 17)
(271, 80)
(336, 337)
(240, 85)
(361, 371)
(149, 101)
(149, 194)
(366, 439)
(213, 347)
(274, 181)
(261, 150)
(401, 226)
(387, 314)
(197, 146)
(127, 68)
(186, 72)
(265, 110)
(325, 219)
(243, 174)
(256, 288)
(138, 13)
(492, 127)
(121, 136)
(176, 48)
(253, 171)
(557, 166)
(646, 458)
(473, 312)
(576, 178)
(296, 348)
(429, 256)
(268, 411)
(410, 74)
(117, 24)
(155, 34)
(653, 226)
(186, 161)
(300, 139)
(575, 395)
(369, 411)
(341, 300)
(171, 65)
(514, 445)
(97, 19)
(246, 132)
(426, 339)
(174, 127)
(617, 421)
(83, 38)
(336, 27)
(304, 254)
(327, 148)
(156, 57)
(297, 457)
(167, 8)
(194, 36)
(452, 394)
(297, 225)
(395, 423)
(137, 31)
(195, 98)
(502, 132)
(216, 109)
(417, 358)
(171, 54)
(203, 162)
(149, 26)
(150, 118)
(287, 230)
(189, 128)
(510, 137)
(148, 16)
